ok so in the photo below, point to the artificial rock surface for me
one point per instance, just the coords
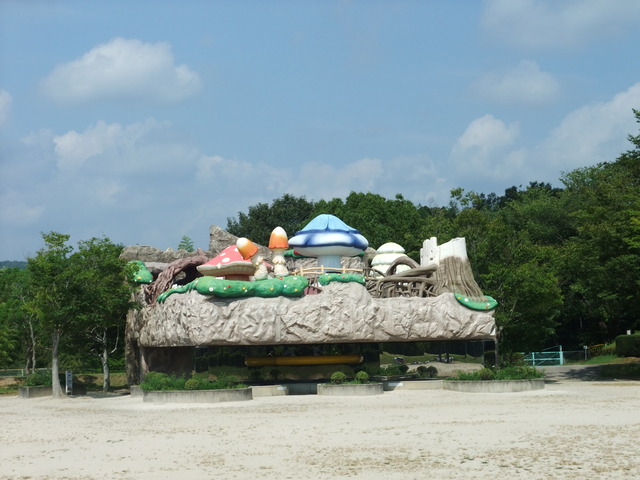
(341, 313)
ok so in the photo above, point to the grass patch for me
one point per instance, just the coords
(599, 360)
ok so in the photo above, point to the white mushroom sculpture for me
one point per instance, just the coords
(328, 238)
(386, 255)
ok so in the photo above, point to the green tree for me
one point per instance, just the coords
(381, 220)
(18, 327)
(600, 268)
(56, 294)
(106, 296)
(289, 212)
(186, 244)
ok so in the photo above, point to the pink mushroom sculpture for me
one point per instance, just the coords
(228, 264)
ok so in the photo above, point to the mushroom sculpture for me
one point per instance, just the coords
(328, 238)
(249, 250)
(386, 255)
(278, 244)
(228, 264)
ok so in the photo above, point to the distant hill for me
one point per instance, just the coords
(13, 264)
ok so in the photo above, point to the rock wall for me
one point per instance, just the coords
(341, 313)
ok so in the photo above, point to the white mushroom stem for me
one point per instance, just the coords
(279, 263)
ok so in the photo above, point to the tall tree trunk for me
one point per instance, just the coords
(33, 346)
(106, 382)
(56, 388)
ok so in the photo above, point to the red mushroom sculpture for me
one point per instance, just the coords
(228, 264)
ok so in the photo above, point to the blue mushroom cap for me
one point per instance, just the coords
(329, 231)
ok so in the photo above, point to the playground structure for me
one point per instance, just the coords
(334, 301)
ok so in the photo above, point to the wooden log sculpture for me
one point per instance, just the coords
(453, 274)
(416, 282)
(168, 277)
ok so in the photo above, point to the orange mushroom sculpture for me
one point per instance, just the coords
(249, 251)
(278, 243)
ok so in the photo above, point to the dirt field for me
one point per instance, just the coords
(571, 430)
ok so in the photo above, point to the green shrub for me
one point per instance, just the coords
(226, 382)
(162, 381)
(39, 379)
(193, 384)
(403, 368)
(338, 378)
(507, 373)
(628, 345)
(518, 373)
(389, 371)
(427, 372)
(609, 349)
(362, 377)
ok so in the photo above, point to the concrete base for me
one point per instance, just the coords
(412, 385)
(34, 392)
(136, 391)
(494, 386)
(269, 390)
(350, 389)
(197, 396)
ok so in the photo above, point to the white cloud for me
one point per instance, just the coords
(524, 84)
(5, 106)
(117, 144)
(123, 69)
(594, 133)
(18, 209)
(483, 149)
(558, 24)
(488, 150)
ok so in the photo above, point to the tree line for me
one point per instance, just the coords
(564, 263)
(68, 302)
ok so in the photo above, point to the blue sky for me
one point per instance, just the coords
(145, 121)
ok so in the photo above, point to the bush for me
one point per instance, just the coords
(39, 379)
(226, 382)
(403, 368)
(338, 378)
(193, 384)
(609, 349)
(389, 370)
(362, 377)
(427, 372)
(518, 373)
(162, 381)
(628, 345)
(507, 373)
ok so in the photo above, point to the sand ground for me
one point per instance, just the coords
(573, 429)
